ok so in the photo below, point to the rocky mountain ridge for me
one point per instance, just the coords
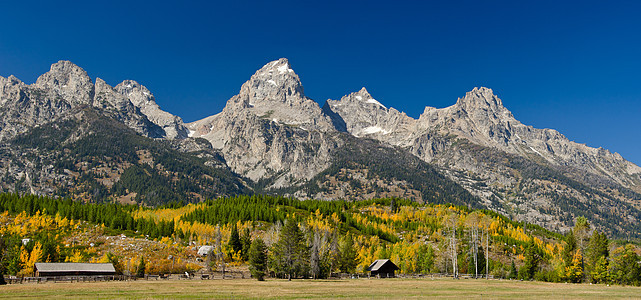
(481, 118)
(67, 86)
(271, 138)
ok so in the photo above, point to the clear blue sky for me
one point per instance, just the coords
(572, 66)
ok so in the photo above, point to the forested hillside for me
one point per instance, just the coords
(95, 158)
(325, 237)
(368, 169)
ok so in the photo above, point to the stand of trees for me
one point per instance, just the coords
(289, 238)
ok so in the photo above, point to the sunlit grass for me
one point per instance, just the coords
(319, 289)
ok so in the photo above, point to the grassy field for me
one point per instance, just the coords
(319, 289)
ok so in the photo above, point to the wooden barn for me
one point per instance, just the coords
(73, 269)
(383, 268)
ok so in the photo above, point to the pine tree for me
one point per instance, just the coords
(569, 249)
(595, 254)
(349, 255)
(234, 240)
(290, 254)
(513, 272)
(531, 261)
(600, 273)
(140, 270)
(246, 242)
(258, 259)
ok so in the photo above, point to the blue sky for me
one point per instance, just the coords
(571, 66)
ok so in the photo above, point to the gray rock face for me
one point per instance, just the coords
(271, 129)
(122, 109)
(24, 106)
(273, 134)
(275, 93)
(481, 118)
(69, 82)
(143, 99)
(66, 87)
(364, 116)
(471, 141)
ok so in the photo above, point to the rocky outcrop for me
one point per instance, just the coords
(355, 147)
(24, 106)
(66, 87)
(364, 116)
(481, 118)
(144, 100)
(271, 130)
(119, 107)
(69, 82)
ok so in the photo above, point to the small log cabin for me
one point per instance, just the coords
(383, 268)
(73, 269)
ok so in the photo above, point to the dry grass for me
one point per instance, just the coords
(323, 289)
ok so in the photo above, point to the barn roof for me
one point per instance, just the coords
(377, 264)
(75, 267)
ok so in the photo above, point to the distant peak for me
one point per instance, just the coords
(128, 87)
(364, 96)
(280, 66)
(480, 96)
(66, 66)
(364, 92)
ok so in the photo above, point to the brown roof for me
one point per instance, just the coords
(377, 264)
(75, 267)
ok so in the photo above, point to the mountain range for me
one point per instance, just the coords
(68, 135)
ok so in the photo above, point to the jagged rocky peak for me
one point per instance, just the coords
(105, 95)
(69, 81)
(143, 99)
(275, 93)
(362, 115)
(363, 98)
(480, 98)
(11, 80)
(274, 82)
(136, 92)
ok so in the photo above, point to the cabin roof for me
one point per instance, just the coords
(379, 263)
(75, 267)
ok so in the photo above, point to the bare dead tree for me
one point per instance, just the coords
(451, 222)
(472, 223)
(219, 250)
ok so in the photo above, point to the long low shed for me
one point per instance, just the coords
(73, 269)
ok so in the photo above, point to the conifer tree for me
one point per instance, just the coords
(246, 242)
(348, 255)
(258, 259)
(290, 254)
(531, 262)
(234, 239)
(140, 270)
(596, 255)
(513, 272)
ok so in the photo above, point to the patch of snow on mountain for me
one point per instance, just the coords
(537, 152)
(284, 68)
(376, 102)
(374, 129)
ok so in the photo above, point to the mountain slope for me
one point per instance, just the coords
(535, 175)
(90, 156)
(66, 135)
